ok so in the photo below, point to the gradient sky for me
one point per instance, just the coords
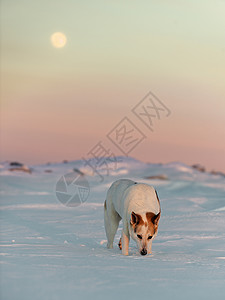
(57, 104)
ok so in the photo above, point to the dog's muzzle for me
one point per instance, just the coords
(143, 252)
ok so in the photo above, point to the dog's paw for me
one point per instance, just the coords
(120, 244)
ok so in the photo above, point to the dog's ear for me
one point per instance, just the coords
(134, 218)
(155, 219)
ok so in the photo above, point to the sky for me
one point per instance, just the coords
(59, 103)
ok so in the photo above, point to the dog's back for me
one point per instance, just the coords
(141, 198)
(129, 195)
(116, 192)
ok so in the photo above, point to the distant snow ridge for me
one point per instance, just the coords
(118, 166)
(15, 166)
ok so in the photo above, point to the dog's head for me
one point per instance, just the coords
(143, 229)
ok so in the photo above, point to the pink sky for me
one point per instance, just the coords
(58, 103)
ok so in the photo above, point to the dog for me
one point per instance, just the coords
(137, 204)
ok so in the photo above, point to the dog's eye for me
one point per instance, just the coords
(139, 236)
(150, 237)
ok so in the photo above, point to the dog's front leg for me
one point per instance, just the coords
(125, 243)
(150, 248)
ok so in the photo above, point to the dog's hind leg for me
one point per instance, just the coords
(111, 220)
(120, 243)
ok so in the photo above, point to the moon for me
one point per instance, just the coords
(58, 40)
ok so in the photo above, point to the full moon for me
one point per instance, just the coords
(58, 39)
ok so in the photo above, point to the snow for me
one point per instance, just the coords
(50, 251)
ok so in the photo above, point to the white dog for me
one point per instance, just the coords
(138, 205)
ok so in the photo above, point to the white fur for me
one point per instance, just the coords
(123, 197)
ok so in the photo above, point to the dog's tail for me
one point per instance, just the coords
(106, 223)
(105, 213)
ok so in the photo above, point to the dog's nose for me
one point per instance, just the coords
(143, 252)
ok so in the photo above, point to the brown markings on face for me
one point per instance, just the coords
(153, 221)
(136, 220)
